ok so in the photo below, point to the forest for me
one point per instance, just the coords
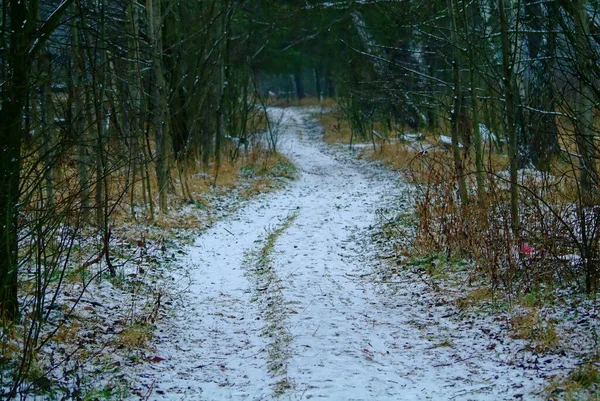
(234, 199)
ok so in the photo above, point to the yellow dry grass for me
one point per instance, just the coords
(532, 327)
(580, 384)
(336, 129)
(396, 156)
(201, 180)
(135, 336)
(10, 349)
(474, 298)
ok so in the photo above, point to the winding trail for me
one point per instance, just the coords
(338, 335)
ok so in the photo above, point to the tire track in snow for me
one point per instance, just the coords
(269, 289)
(213, 345)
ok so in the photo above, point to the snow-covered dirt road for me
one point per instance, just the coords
(309, 322)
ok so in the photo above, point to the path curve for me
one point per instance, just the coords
(346, 338)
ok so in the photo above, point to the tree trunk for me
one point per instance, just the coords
(140, 100)
(510, 110)
(584, 129)
(223, 35)
(543, 133)
(172, 58)
(161, 125)
(299, 85)
(78, 121)
(477, 141)
(11, 138)
(10, 167)
(330, 83)
(455, 116)
(98, 89)
(47, 120)
(318, 85)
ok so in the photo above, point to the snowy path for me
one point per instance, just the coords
(345, 338)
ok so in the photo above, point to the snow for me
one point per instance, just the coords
(350, 334)
(412, 136)
(571, 258)
(528, 176)
(486, 134)
(446, 141)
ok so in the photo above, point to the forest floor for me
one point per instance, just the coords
(294, 296)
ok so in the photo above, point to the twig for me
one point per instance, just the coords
(253, 355)
(146, 396)
(453, 362)
(464, 391)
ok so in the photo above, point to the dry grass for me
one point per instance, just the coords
(10, 350)
(581, 384)
(336, 129)
(262, 185)
(474, 298)
(401, 156)
(566, 135)
(540, 333)
(392, 153)
(396, 156)
(480, 230)
(205, 180)
(124, 188)
(136, 335)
